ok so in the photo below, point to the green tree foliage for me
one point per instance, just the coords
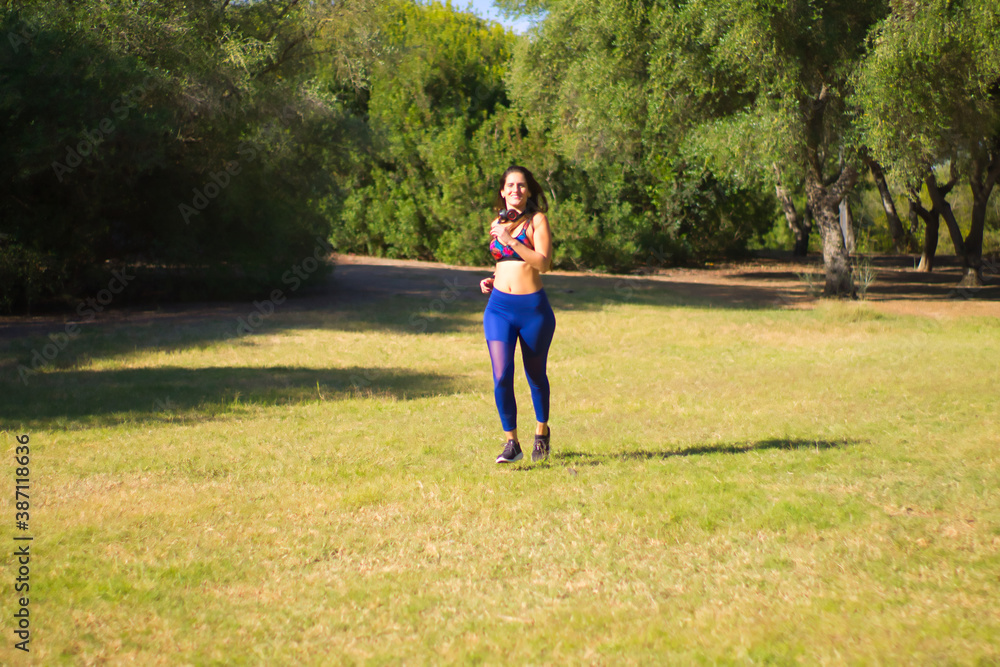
(159, 135)
(439, 133)
(517, 8)
(929, 92)
(208, 144)
(771, 81)
(589, 82)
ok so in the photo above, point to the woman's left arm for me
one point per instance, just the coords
(540, 257)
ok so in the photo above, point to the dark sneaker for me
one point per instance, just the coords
(540, 452)
(511, 452)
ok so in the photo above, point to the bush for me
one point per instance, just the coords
(162, 136)
(26, 278)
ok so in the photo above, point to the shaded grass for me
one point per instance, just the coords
(726, 486)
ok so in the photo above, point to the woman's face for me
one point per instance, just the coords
(515, 190)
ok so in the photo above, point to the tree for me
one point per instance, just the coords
(175, 134)
(587, 82)
(901, 237)
(434, 110)
(928, 94)
(790, 65)
(800, 224)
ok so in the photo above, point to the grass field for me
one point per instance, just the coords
(736, 485)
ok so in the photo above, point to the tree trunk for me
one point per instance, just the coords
(912, 214)
(807, 221)
(982, 180)
(933, 229)
(938, 198)
(847, 226)
(800, 225)
(903, 241)
(932, 224)
(824, 200)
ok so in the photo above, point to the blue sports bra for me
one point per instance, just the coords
(503, 253)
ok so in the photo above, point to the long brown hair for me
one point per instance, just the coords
(536, 202)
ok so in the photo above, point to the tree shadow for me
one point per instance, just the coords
(169, 392)
(589, 459)
(405, 300)
(421, 298)
(895, 277)
(367, 279)
(68, 340)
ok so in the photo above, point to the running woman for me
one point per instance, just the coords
(518, 308)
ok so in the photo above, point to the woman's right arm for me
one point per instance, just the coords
(486, 284)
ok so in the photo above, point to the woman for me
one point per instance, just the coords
(518, 307)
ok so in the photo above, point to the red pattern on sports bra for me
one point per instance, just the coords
(502, 253)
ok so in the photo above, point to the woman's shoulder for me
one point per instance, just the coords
(538, 217)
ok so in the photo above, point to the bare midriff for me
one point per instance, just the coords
(515, 277)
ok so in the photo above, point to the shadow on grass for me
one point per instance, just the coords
(424, 312)
(588, 459)
(412, 303)
(410, 299)
(169, 392)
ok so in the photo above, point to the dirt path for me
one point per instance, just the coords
(775, 281)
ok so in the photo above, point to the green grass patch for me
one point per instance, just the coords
(727, 485)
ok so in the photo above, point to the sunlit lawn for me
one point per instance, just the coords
(728, 485)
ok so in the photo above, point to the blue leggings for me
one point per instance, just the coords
(527, 317)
